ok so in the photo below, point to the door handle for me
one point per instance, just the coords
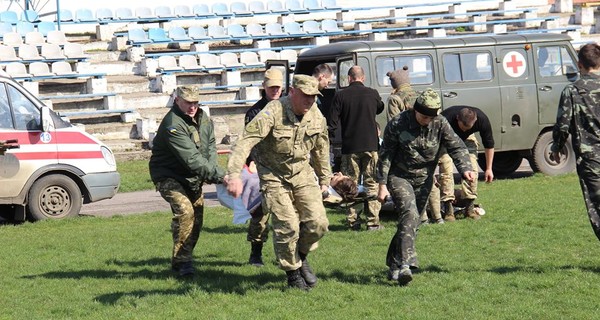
(450, 94)
(546, 88)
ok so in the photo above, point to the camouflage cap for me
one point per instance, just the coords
(428, 103)
(189, 93)
(307, 84)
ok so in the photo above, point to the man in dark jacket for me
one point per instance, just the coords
(184, 156)
(355, 109)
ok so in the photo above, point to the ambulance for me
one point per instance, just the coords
(516, 79)
(55, 167)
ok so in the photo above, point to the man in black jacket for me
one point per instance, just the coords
(355, 109)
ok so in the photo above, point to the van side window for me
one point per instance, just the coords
(6, 119)
(343, 72)
(472, 66)
(554, 61)
(27, 115)
(419, 68)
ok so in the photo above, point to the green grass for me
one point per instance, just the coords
(532, 256)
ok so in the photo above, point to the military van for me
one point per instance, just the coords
(515, 79)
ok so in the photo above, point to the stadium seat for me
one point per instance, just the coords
(330, 26)
(5, 27)
(178, 34)
(13, 39)
(289, 55)
(137, 36)
(57, 37)
(311, 27)
(35, 38)
(220, 9)
(209, 61)
(62, 68)
(9, 16)
(24, 26)
(29, 16)
(8, 54)
(164, 12)
(330, 5)
(17, 70)
(74, 51)
(40, 69)
(189, 63)
(293, 28)
(104, 14)
(257, 7)
(239, 9)
(52, 51)
(312, 5)
(264, 55)
(168, 64)
(198, 33)
(250, 59)
(144, 13)
(65, 15)
(158, 35)
(28, 52)
(217, 32)
(230, 60)
(84, 15)
(276, 6)
(255, 30)
(202, 10)
(124, 14)
(45, 26)
(183, 11)
(274, 29)
(236, 31)
(294, 6)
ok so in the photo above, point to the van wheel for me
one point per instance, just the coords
(54, 197)
(505, 163)
(540, 159)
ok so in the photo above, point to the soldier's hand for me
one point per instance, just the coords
(470, 176)
(555, 156)
(383, 193)
(235, 187)
(489, 176)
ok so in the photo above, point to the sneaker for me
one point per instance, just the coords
(308, 274)
(375, 228)
(393, 274)
(295, 280)
(404, 275)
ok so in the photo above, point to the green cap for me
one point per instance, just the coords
(428, 103)
(307, 84)
(189, 93)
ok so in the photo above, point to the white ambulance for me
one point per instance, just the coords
(56, 168)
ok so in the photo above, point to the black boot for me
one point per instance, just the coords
(449, 211)
(295, 280)
(307, 273)
(470, 210)
(256, 254)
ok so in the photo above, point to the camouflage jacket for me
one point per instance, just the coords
(400, 99)
(579, 115)
(284, 147)
(185, 150)
(411, 151)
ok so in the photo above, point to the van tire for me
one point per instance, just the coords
(505, 163)
(54, 197)
(540, 157)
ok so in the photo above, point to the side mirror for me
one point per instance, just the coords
(46, 119)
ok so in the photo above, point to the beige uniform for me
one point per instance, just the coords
(285, 148)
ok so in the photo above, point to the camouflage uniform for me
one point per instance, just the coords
(400, 99)
(184, 156)
(407, 161)
(578, 116)
(283, 145)
(446, 179)
(353, 165)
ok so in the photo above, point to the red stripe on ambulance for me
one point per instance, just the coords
(61, 155)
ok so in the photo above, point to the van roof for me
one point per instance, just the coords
(335, 49)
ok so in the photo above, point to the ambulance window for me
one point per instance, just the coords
(343, 72)
(27, 115)
(554, 61)
(472, 66)
(6, 120)
(419, 68)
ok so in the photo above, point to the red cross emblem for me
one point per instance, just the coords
(514, 64)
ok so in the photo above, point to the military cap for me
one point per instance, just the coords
(189, 93)
(428, 103)
(273, 78)
(307, 84)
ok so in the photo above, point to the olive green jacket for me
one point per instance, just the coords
(185, 150)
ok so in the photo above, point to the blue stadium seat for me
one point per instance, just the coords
(46, 26)
(158, 35)
(202, 10)
(220, 9)
(24, 26)
(65, 15)
(29, 16)
(137, 36)
(9, 16)
(178, 34)
(84, 15)
(5, 27)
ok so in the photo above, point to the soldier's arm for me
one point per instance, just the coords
(320, 157)
(216, 173)
(386, 151)
(186, 152)
(560, 132)
(394, 107)
(379, 101)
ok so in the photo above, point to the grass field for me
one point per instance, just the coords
(532, 256)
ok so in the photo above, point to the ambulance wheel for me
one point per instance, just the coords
(540, 157)
(54, 197)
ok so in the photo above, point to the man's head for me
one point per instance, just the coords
(589, 57)
(356, 74)
(187, 98)
(303, 93)
(344, 186)
(324, 74)
(466, 118)
(427, 106)
(399, 77)
(273, 83)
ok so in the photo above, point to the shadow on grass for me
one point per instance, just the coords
(370, 278)
(530, 269)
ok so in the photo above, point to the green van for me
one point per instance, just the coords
(515, 79)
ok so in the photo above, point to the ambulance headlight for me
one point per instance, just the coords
(108, 156)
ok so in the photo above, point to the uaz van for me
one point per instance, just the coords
(515, 79)
(56, 167)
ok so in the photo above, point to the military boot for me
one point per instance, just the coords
(295, 280)
(256, 254)
(449, 211)
(307, 273)
(470, 210)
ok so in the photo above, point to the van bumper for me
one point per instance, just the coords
(102, 185)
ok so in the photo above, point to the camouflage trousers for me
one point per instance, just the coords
(589, 179)
(409, 202)
(363, 165)
(188, 214)
(446, 178)
(258, 228)
(298, 219)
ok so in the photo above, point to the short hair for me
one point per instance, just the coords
(589, 56)
(467, 116)
(346, 188)
(356, 72)
(323, 69)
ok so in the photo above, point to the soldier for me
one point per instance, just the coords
(258, 226)
(403, 96)
(285, 134)
(466, 121)
(578, 116)
(355, 110)
(184, 156)
(408, 156)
